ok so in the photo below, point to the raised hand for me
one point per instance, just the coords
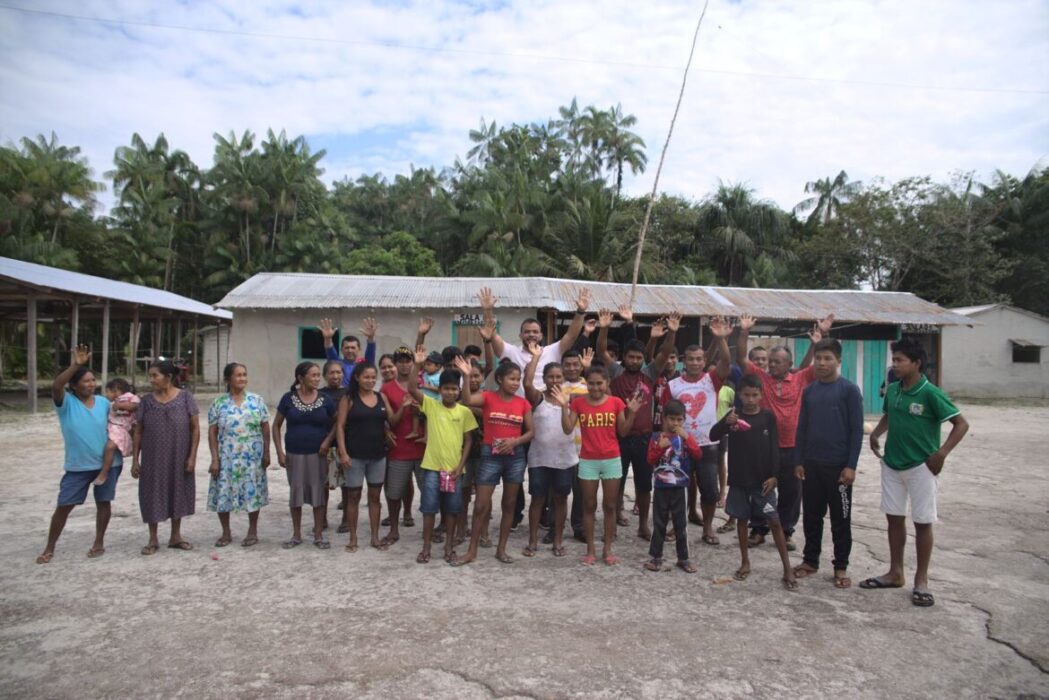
(420, 354)
(626, 313)
(535, 350)
(674, 320)
(81, 355)
(486, 298)
(463, 365)
(487, 331)
(425, 325)
(327, 328)
(589, 326)
(635, 403)
(559, 396)
(659, 328)
(582, 301)
(604, 318)
(720, 327)
(586, 358)
(369, 327)
(821, 328)
(731, 418)
(746, 322)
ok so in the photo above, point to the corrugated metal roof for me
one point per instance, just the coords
(88, 285)
(977, 310)
(315, 291)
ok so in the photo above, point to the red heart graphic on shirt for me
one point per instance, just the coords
(694, 403)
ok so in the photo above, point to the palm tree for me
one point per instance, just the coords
(741, 230)
(623, 147)
(485, 138)
(55, 176)
(829, 196)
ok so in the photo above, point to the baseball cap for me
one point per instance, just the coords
(435, 357)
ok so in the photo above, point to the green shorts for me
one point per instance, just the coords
(595, 469)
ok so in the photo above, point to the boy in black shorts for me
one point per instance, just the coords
(753, 462)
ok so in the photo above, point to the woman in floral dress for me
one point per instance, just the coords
(239, 437)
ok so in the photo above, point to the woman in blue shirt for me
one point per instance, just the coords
(82, 416)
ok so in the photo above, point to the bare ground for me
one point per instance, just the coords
(269, 622)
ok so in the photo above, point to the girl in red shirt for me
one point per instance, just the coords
(602, 419)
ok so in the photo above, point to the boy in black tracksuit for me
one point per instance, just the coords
(753, 463)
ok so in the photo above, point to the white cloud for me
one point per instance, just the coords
(95, 84)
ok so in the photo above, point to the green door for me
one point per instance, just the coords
(848, 359)
(875, 364)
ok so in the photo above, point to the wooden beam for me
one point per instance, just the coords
(196, 344)
(105, 344)
(178, 337)
(132, 355)
(30, 330)
(218, 354)
(75, 323)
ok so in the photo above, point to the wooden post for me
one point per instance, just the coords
(196, 344)
(551, 327)
(132, 356)
(218, 353)
(75, 323)
(30, 329)
(153, 340)
(105, 343)
(178, 337)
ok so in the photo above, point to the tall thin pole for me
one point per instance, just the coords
(75, 323)
(105, 343)
(196, 343)
(662, 157)
(30, 363)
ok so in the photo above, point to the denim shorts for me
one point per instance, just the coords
(433, 500)
(747, 504)
(374, 470)
(510, 468)
(542, 479)
(72, 491)
(595, 469)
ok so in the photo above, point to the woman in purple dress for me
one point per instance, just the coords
(165, 455)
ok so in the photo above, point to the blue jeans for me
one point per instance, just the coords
(433, 500)
(510, 468)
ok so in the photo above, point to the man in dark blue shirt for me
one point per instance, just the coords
(828, 442)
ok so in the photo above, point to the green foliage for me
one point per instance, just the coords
(397, 254)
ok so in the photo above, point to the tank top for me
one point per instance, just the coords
(551, 447)
(366, 429)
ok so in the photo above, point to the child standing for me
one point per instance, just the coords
(753, 462)
(669, 453)
(448, 428)
(602, 419)
(123, 404)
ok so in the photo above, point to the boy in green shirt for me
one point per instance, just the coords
(913, 410)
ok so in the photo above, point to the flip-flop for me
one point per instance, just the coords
(559, 551)
(322, 544)
(670, 537)
(802, 571)
(755, 540)
(790, 585)
(381, 546)
(45, 558)
(654, 565)
(249, 542)
(181, 544)
(622, 521)
(408, 521)
(385, 522)
(460, 562)
(148, 550)
(529, 551)
(388, 540)
(343, 528)
(95, 553)
(727, 526)
(712, 540)
(842, 582)
(505, 558)
(611, 560)
(223, 541)
(485, 542)
(687, 566)
(741, 575)
(437, 537)
(922, 599)
(292, 543)
(875, 583)
(350, 548)
(422, 558)
(589, 560)
(451, 558)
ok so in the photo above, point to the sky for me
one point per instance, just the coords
(780, 92)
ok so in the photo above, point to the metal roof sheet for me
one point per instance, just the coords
(77, 283)
(317, 291)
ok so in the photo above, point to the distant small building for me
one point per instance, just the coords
(1001, 356)
(214, 351)
(277, 315)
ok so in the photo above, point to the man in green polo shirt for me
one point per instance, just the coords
(912, 413)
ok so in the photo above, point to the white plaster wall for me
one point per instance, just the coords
(267, 341)
(214, 359)
(978, 361)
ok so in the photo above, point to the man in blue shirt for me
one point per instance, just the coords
(827, 447)
(350, 346)
(83, 417)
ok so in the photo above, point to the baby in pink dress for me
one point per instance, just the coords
(121, 420)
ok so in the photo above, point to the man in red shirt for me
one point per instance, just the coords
(781, 395)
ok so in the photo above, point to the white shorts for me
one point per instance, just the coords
(917, 483)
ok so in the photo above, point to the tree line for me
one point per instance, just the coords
(526, 199)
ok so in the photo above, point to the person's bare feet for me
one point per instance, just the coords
(804, 570)
(45, 557)
(95, 552)
(742, 573)
(464, 560)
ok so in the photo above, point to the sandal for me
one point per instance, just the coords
(687, 566)
(654, 564)
(343, 528)
(181, 544)
(589, 560)
(223, 541)
(95, 553)
(529, 551)
(423, 558)
(790, 584)
(741, 574)
(148, 550)
(803, 571)
(452, 558)
(408, 521)
(670, 537)
(249, 542)
(622, 521)
(922, 599)
(842, 581)
(45, 558)
(322, 543)
(559, 551)
(728, 526)
(712, 540)
(756, 539)
(437, 537)
(504, 558)
(380, 545)
(611, 560)
(350, 548)
(485, 542)
(876, 582)
(292, 543)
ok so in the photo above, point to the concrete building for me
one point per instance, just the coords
(277, 315)
(1001, 355)
(214, 351)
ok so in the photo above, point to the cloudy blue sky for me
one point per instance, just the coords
(781, 92)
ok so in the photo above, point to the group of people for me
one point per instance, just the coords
(743, 431)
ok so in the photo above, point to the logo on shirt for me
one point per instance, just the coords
(917, 409)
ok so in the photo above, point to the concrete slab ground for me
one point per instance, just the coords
(265, 622)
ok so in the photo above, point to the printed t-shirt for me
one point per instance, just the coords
(574, 389)
(915, 416)
(503, 419)
(625, 386)
(84, 433)
(783, 398)
(405, 450)
(446, 430)
(670, 465)
(598, 426)
(701, 404)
